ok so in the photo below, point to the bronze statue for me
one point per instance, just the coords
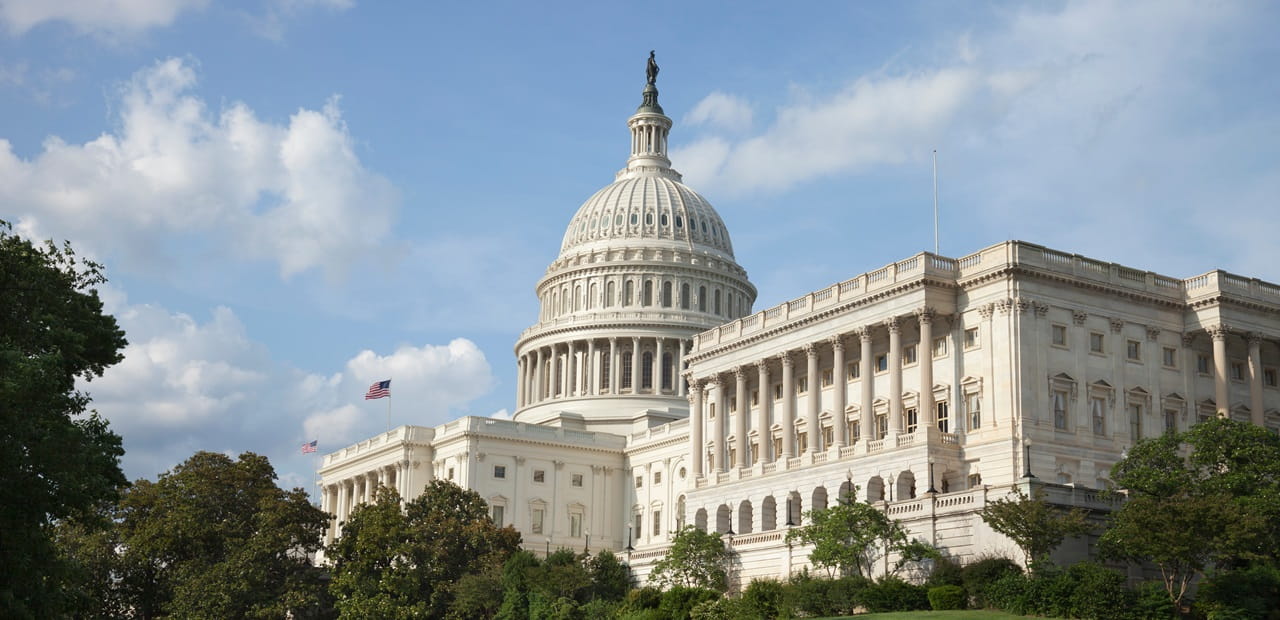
(652, 69)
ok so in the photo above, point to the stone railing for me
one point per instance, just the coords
(393, 437)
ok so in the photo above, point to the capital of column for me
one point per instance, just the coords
(1219, 331)
(762, 364)
(715, 382)
(740, 373)
(1078, 316)
(1117, 325)
(836, 342)
(613, 340)
(864, 333)
(811, 350)
(894, 325)
(1188, 340)
(986, 310)
(1153, 333)
(695, 385)
(925, 314)
(785, 358)
(1253, 338)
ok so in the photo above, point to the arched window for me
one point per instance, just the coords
(577, 298)
(555, 302)
(717, 301)
(646, 370)
(604, 370)
(592, 292)
(648, 294)
(565, 301)
(702, 299)
(666, 371)
(626, 369)
(628, 293)
(608, 294)
(666, 294)
(684, 296)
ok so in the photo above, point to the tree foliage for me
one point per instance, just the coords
(1209, 496)
(394, 562)
(1035, 526)
(55, 463)
(849, 537)
(695, 559)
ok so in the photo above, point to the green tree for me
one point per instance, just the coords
(695, 559)
(610, 578)
(849, 537)
(1035, 526)
(394, 562)
(217, 538)
(56, 463)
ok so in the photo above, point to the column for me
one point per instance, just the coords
(839, 385)
(1220, 395)
(811, 420)
(788, 406)
(553, 384)
(593, 377)
(635, 365)
(520, 368)
(657, 367)
(697, 446)
(614, 386)
(866, 374)
(566, 375)
(679, 370)
(1255, 379)
(716, 390)
(339, 512)
(928, 414)
(536, 393)
(763, 431)
(740, 444)
(895, 375)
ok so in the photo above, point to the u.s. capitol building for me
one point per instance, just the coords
(651, 395)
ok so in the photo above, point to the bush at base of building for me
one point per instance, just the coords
(977, 576)
(1245, 593)
(948, 597)
(810, 596)
(1086, 590)
(894, 594)
(678, 601)
(765, 598)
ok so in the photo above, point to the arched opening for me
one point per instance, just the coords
(666, 294)
(646, 370)
(906, 486)
(718, 301)
(609, 294)
(846, 492)
(680, 508)
(648, 294)
(702, 299)
(684, 296)
(592, 293)
(604, 370)
(769, 514)
(577, 298)
(744, 517)
(795, 508)
(628, 293)
(626, 369)
(875, 489)
(724, 519)
(819, 501)
(666, 371)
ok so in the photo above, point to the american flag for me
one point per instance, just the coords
(379, 389)
(308, 448)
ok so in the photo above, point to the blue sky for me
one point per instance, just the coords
(295, 198)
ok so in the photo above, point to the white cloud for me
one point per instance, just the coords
(110, 17)
(187, 384)
(721, 110)
(174, 176)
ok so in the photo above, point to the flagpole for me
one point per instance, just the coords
(388, 406)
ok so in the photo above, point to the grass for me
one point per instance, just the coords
(972, 614)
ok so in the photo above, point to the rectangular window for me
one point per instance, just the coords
(657, 477)
(498, 515)
(575, 525)
(639, 481)
(1170, 420)
(909, 354)
(575, 480)
(882, 425)
(733, 404)
(1098, 411)
(451, 473)
(1170, 357)
(539, 475)
(538, 515)
(826, 377)
(1135, 421)
(975, 481)
(777, 391)
(755, 452)
(1059, 335)
(828, 436)
(1097, 342)
(852, 371)
(944, 417)
(1237, 371)
(499, 471)
(882, 362)
(639, 524)
(777, 446)
(1060, 410)
(913, 419)
(973, 406)
(971, 338)
(1203, 365)
(803, 440)
(1269, 377)
(802, 385)
(657, 522)
(939, 347)
(1133, 350)
(855, 430)
(755, 397)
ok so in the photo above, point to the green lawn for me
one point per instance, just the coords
(973, 614)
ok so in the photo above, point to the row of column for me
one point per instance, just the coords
(575, 369)
(340, 498)
(1221, 389)
(713, 389)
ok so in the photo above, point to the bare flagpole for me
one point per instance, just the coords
(935, 201)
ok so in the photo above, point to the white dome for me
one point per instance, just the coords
(640, 209)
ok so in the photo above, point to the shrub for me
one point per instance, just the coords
(643, 598)
(1153, 602)
(894, 594)
(947, 597)
(1254, 591)
(946, 572)
(765, 598)
(1098, 592)
(680, 600)
(986, 571)
(721, 609)
(823, 597)
(1010, 593)
(601, 609)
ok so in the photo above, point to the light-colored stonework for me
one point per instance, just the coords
(649, 395)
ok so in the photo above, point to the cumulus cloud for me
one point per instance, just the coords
(721, 110)
(189, 384)
(111, 17)
(175, 175)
